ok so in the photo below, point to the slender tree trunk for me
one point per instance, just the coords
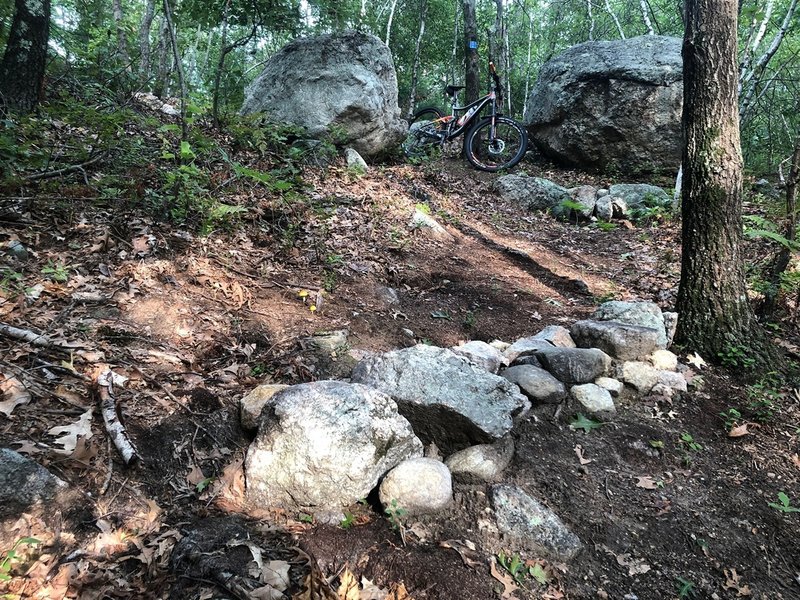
(646, 17)
(591, 19)
(471, 70)
(220, 64)
(25, 57)
(389, 22)
(715, 316)
(161, 87)
(144, 40)
(454, 75)
(179, 68)
(528, 64)
(122, 41)
(615, 19)
(412, 100)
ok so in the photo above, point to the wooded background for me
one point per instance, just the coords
(121, 46)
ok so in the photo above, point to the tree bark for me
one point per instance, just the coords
(471, 68)
(25, 57)
(122, 41)
(389, 22)
(615, 19)
(161, 87)
(144, 40)
(412, 99)
(179, 68)
(715, 316)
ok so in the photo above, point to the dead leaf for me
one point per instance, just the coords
(733, 582)
(69, 434)
(467, 550)
(275, 573)
(581, 459)
(509, 587)
(399, 592)
(696, 360)
(738, 431)
(13, 393)
(370, 591)
(635, 566)
(348, 586)
(796, 460)
(266, 592)
(85, 452)
(195, 476)
(141, 244)
(647, 483)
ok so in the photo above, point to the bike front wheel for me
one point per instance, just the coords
(495, 144)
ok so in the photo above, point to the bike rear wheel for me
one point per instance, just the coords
(427, 114)
(492, 149)
(422, 141)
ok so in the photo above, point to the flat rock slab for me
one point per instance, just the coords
(575, 365)
(448, 400)
(324, 445)
(536, 383)
(557, 336)
(527, 522)
(620, 340)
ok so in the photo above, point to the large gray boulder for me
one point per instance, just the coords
(324, 445)
(611, 105)
(643, 314)
(620, 340)
(447, 399)
(345, 80)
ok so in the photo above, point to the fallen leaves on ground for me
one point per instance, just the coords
(69, 434)
(509, 586)
(467, 550)
(738, 431)
(13, 393)
(647, 483)
(581, 459)
(734, 582)
(349, 589)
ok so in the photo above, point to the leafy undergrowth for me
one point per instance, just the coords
(201, 270)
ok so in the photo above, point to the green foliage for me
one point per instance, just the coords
(735, 357)
(763, 397)
(686, 588)
(784, 505)
(11, 283)
(521, 570)
(731, 417)
(688, 442)
(57, 271)
(11, 556)
(581, 421)
(395, 514)
(348, 521)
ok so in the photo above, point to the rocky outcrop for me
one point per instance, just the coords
(324, 445)
(345, 82)
(447, 399)
(611, 105)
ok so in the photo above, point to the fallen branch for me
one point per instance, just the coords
(65, 170)
(108, 407)
(25, 335)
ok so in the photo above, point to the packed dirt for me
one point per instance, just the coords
(666, 503)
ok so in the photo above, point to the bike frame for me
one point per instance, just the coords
(459, 111)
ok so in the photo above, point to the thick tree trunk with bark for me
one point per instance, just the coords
(471, 68)
(122, 41)
(25, 57)
(715, 316)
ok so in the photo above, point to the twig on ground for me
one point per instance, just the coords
(65, 170)
(108, 407)
(26, 335)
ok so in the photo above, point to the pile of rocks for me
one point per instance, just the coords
(324, 445)
(585, 202)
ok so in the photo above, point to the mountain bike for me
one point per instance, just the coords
(491, 143)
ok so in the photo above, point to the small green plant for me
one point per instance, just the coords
(735, 357)
(348, 521)
(395, 513)
(423, 207)
(56, 271)
(763, 398)
(657, 444)
(731, 417)
(514, 565)
(785, 505)
(605, 225)
(305, 517)
(687, 441)
(12, 556)
(203, 485)
(581, 421)
(470, 319)
(686, 588)
(11, 284)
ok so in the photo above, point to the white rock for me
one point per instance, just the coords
(614, 386)
(418, 486)
(424, 222)
(482, 354)
(354, 160)
(673, 380)
(251, 404)
(556, 335)
(640, 375)
(484, 462)
(664, 360)
(593, 398)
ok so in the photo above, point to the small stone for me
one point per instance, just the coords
(18, 250)
(557, 335)
(640, 375)
(418, 486)
(536, 383)
(603, 208)
(387, 295)
(664, 360)
(421, 221)
(575, 365)
(330, 341)
(670, 325)
(593, 398)
(673, 380)
(355, 161)
(525, 347)
(481, 354)
(484, 462)
(531, 524)
(614, 386)
(251, 404)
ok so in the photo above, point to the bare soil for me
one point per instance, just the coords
(666, 504)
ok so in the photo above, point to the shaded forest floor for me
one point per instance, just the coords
(666, 503)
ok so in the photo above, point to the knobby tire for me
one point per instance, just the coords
(504, 152)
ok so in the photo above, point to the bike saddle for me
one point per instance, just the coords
(450, 90)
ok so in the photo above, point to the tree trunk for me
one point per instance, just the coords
(25, 58)
(179, 68)
(616, 20)
(646, 17)
(161, 87)
(389, 22)
(144, 40)
(454, 75)
(412, 100)
(220, 64)
(122, 42)
(715, 316)
(471, 68)
(590, 14)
